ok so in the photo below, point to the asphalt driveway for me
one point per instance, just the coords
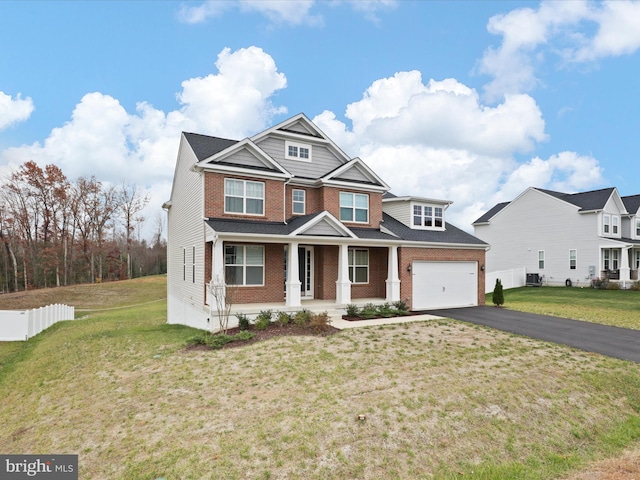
(614, 342)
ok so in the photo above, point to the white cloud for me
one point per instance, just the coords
(140, 147)
(438, 140)
(278, 12)
(14, 110)
(561, 29)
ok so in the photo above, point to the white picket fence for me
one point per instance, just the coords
(24, 324)
(514, 278)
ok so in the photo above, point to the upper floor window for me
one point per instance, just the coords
(299, 202)
(614, 224)
(606, 223)
(427, 216)
(244, 264)
(297, 151)
(243, 196)
(573, 259)
(637, 227)
(541, 259)
(354, 207)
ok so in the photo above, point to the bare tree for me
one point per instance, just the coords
(131, 203)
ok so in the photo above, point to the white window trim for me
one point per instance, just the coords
(615, 225)
(304, 201)
(244, 266)
(353, 208)
(637, 227)
(541, 259)
(298, 146)
(352, 266)
(245, 197)
(574, 258)
(422, 226)
(606, 223)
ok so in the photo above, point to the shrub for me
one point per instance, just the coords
(320, 322)
(369, 311)
(243, 336)
(401, 306)
(263, 319)
(283, 318)
(302, 317)
(199, 339)
(243, 321)
(385, 310)
(498, 294)
(599, 283)
(219, 341)
(353, 310)
(613, 286)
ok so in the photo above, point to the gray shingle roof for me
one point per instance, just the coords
(593, 200)
(205, 146)
(452, 234)
(632, 203)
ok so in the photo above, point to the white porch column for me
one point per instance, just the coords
(393, 281)
(343, 284)
(217, 286)
(293, 280)
(625, 271)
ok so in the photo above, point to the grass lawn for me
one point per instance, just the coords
(442, 400)
(620, 308)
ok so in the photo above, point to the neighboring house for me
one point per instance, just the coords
(286, 219)
(566, 239)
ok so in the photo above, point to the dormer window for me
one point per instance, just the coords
(428, 216)
(297, 151)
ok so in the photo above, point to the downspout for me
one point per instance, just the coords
(284, 201)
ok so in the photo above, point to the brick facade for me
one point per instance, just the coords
(214, 198)
(407, 255)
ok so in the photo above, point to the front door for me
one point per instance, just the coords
(305, 271)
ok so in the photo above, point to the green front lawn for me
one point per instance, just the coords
(620, 308)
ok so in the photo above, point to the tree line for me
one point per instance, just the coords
(55, 232)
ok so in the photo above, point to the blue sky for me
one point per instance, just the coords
(467, 101)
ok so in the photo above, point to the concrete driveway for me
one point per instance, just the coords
(614, 342)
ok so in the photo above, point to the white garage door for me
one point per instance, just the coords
(444, 284)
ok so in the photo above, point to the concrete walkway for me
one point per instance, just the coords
(616, 342)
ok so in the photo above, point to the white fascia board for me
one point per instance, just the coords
(351, 164)
(243, 144)
(275, 130)
(333, 221)
(248, 172)
(418, 199)
(461, 246)
(354, 185)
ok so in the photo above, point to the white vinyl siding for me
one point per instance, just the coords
(243, 197)
(183, 234)
(324, 161)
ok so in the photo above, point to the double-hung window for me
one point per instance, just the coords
(299, 202)
(354, 207)
(358, 265)
(541, 259)
(614, 224)
(573, 259)
(606, 223)
(244, 264)
(243, 196)
(638, 227)
(427, 216)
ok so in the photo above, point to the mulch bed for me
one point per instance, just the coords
(357, 319)
(273, 330)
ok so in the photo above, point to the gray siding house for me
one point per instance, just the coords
(565, 238)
